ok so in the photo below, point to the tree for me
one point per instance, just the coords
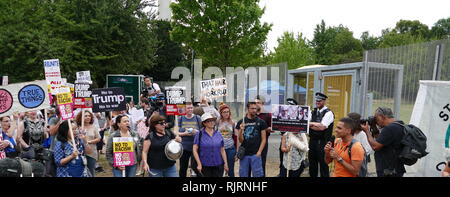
(414, 28)
(169, 54)
(441, 29)
(105, 37)
(369, 42)
(335, 45)
(225, 33)
(294, 50)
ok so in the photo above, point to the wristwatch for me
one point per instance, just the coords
(340, 160)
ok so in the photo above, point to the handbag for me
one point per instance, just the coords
(241, 152)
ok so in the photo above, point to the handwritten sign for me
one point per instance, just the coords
(213, 88)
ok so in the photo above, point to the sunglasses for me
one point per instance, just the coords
(162, 123)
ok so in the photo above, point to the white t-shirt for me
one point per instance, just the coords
(327, 119)
(362, 138)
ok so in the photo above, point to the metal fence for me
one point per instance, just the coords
(422, 61)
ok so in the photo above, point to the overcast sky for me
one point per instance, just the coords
(357, 15)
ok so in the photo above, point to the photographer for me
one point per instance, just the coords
(159, 108)
(387, 145)
(150, 89)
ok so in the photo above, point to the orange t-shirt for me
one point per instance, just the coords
(342, 149)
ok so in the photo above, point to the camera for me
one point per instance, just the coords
(372, 121)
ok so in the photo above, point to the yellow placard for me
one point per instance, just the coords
(64, 98)
(123, 147)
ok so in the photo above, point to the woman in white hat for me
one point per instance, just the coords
(209, 150)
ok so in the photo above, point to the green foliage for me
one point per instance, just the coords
(103, 36)
(335, 45)
(441, 29)
(294, 50)
(224, 33)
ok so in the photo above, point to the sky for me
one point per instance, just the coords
(358, 15)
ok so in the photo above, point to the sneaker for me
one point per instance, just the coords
(140, 173)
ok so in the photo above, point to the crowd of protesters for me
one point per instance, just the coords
(212, 141)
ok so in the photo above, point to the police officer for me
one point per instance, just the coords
(321, 127)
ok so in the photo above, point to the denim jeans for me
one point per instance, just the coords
(130, 171)
(91, 165)
(231, 153)
(253, 163)
(168, 172)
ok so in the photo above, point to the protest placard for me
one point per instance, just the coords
(23, 97)
(213, 88)
(290, 118)
(65, 104)
(84, 77)
(123, 151)
(52, 75)
(175, 101)
(83, 90)
(108, 99)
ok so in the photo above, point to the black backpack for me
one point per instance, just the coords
(414, 144)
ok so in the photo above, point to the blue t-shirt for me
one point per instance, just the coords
(185, 123)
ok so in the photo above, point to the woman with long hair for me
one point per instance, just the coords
(226, 127)
(93, 137)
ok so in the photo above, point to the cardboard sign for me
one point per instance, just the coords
(175, 101)
(84, 77)
(65, 104)
(123, 151)
(290, 118)
(108, 99)
(213, 88)
(52, 75)
(23, 97)
(83, 90)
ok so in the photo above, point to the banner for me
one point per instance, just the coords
(123, 151)
(213, 88)
(83, 90)
(431, 113)
(23, 97)
(108, 99)
(84, 77)
(175, 101)
(65, 104)
(52, 75)
(290, 118)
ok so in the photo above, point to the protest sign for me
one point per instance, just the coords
(65, 104)
(290, 118)
(82, 90)
(3, 80)
(82, 103)
(52, 75)
(108, 99)
(175, 101)
(84, 77)
(123, 151)
(213, 88)
(23, 97)
(431, 114)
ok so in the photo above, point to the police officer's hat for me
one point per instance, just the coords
(320, 96)
(291, 101)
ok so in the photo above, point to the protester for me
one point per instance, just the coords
(145, 106)
(153, 155)
(267, 117)
(252, 135)
(7, 143)
(346, 153)
(103, 124)
(387, 145)
(122, 129)
(226, 126)
(293, 165)
(189, 125)
(93, 137)
(160, 109)
(361, 137)
(33, 136)
(209, 150)
(321, 127)
(70, 162)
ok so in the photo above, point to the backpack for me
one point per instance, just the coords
(414, 144)
(363, 169)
